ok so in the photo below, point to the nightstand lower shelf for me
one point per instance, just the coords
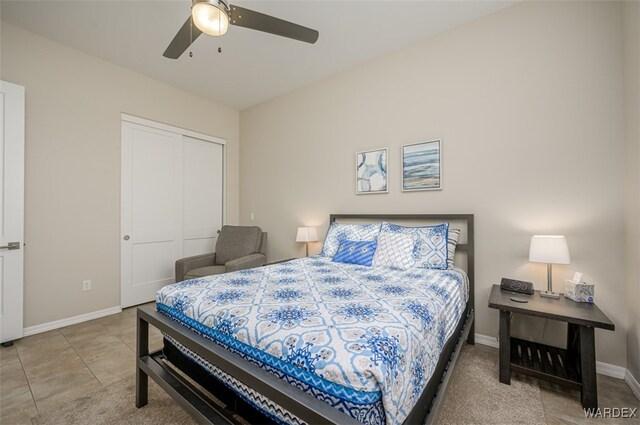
(545, 362)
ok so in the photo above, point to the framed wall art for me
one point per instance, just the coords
(371, 171)
(422, 166)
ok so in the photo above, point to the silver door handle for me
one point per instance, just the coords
(126, 237)
(11, 246)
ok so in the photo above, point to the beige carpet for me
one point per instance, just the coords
(475, 397)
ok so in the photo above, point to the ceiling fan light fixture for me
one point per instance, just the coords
(210, 16)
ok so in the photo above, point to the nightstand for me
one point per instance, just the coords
(574, 366)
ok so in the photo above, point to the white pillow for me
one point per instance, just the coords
(430, 249)
(395, 251)
(339, 232)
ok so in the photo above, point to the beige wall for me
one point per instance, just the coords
(632, 194)
(72, 186)
(528, 103)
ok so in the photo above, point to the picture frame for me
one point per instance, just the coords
(372, 171)
(422, 166)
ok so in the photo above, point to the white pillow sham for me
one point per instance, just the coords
(339, 232)
(394, 251)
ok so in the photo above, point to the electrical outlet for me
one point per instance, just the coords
(253, 217)
(86, 285)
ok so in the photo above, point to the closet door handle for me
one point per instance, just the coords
(11, 246)
(126, 237)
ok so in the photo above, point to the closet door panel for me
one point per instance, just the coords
(151, 221)
(203, 195)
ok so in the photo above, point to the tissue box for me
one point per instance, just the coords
(579, 292)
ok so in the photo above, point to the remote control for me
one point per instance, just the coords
(519, 300)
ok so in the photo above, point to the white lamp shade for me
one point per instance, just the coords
(307, 234)
(549, 249)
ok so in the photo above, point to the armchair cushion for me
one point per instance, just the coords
(237, 241)
(204, 271)
(248, 262)
(185, 265)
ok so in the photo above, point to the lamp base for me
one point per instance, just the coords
(549, 294)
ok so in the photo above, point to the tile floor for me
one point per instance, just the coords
(45, 371)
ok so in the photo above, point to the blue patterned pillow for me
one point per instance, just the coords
(339, 232)
(430, 250)
(355, 252)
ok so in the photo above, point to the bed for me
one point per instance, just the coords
(313, 341)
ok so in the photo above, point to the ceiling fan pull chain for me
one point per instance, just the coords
(191, 37)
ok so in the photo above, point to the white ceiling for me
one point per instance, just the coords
(253, 66)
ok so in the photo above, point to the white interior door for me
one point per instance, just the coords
(151, 226)
(203, 192)
(11, 210)
(172, 205)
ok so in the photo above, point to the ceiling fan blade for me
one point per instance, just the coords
(259, 21)
(183, 39)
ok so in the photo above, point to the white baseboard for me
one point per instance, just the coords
(487, 340)
(611, 370)
(632, 382)
(606, 369)
(57, 324)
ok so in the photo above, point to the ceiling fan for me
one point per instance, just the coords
(213, 17)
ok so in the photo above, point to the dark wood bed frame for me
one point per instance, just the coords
(297, 402)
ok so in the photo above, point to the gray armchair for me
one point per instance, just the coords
(237, 248)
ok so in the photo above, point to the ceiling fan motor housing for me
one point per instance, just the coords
(220, 4)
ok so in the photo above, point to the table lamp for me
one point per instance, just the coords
(307, 234)
(551, 250)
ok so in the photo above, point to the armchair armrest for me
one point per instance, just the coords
(247, 262)
(185, 264)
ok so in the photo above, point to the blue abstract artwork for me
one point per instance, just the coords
(371, 172)
(421, 168)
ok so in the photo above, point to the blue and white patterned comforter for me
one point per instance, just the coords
(365, 340)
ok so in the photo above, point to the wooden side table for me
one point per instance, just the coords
(574, 366)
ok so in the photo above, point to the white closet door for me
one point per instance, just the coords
(151, 226)
(11, 210)
(203, 186)
(172, 204)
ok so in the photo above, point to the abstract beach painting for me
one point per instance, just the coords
(421, 169)
(371, 172)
